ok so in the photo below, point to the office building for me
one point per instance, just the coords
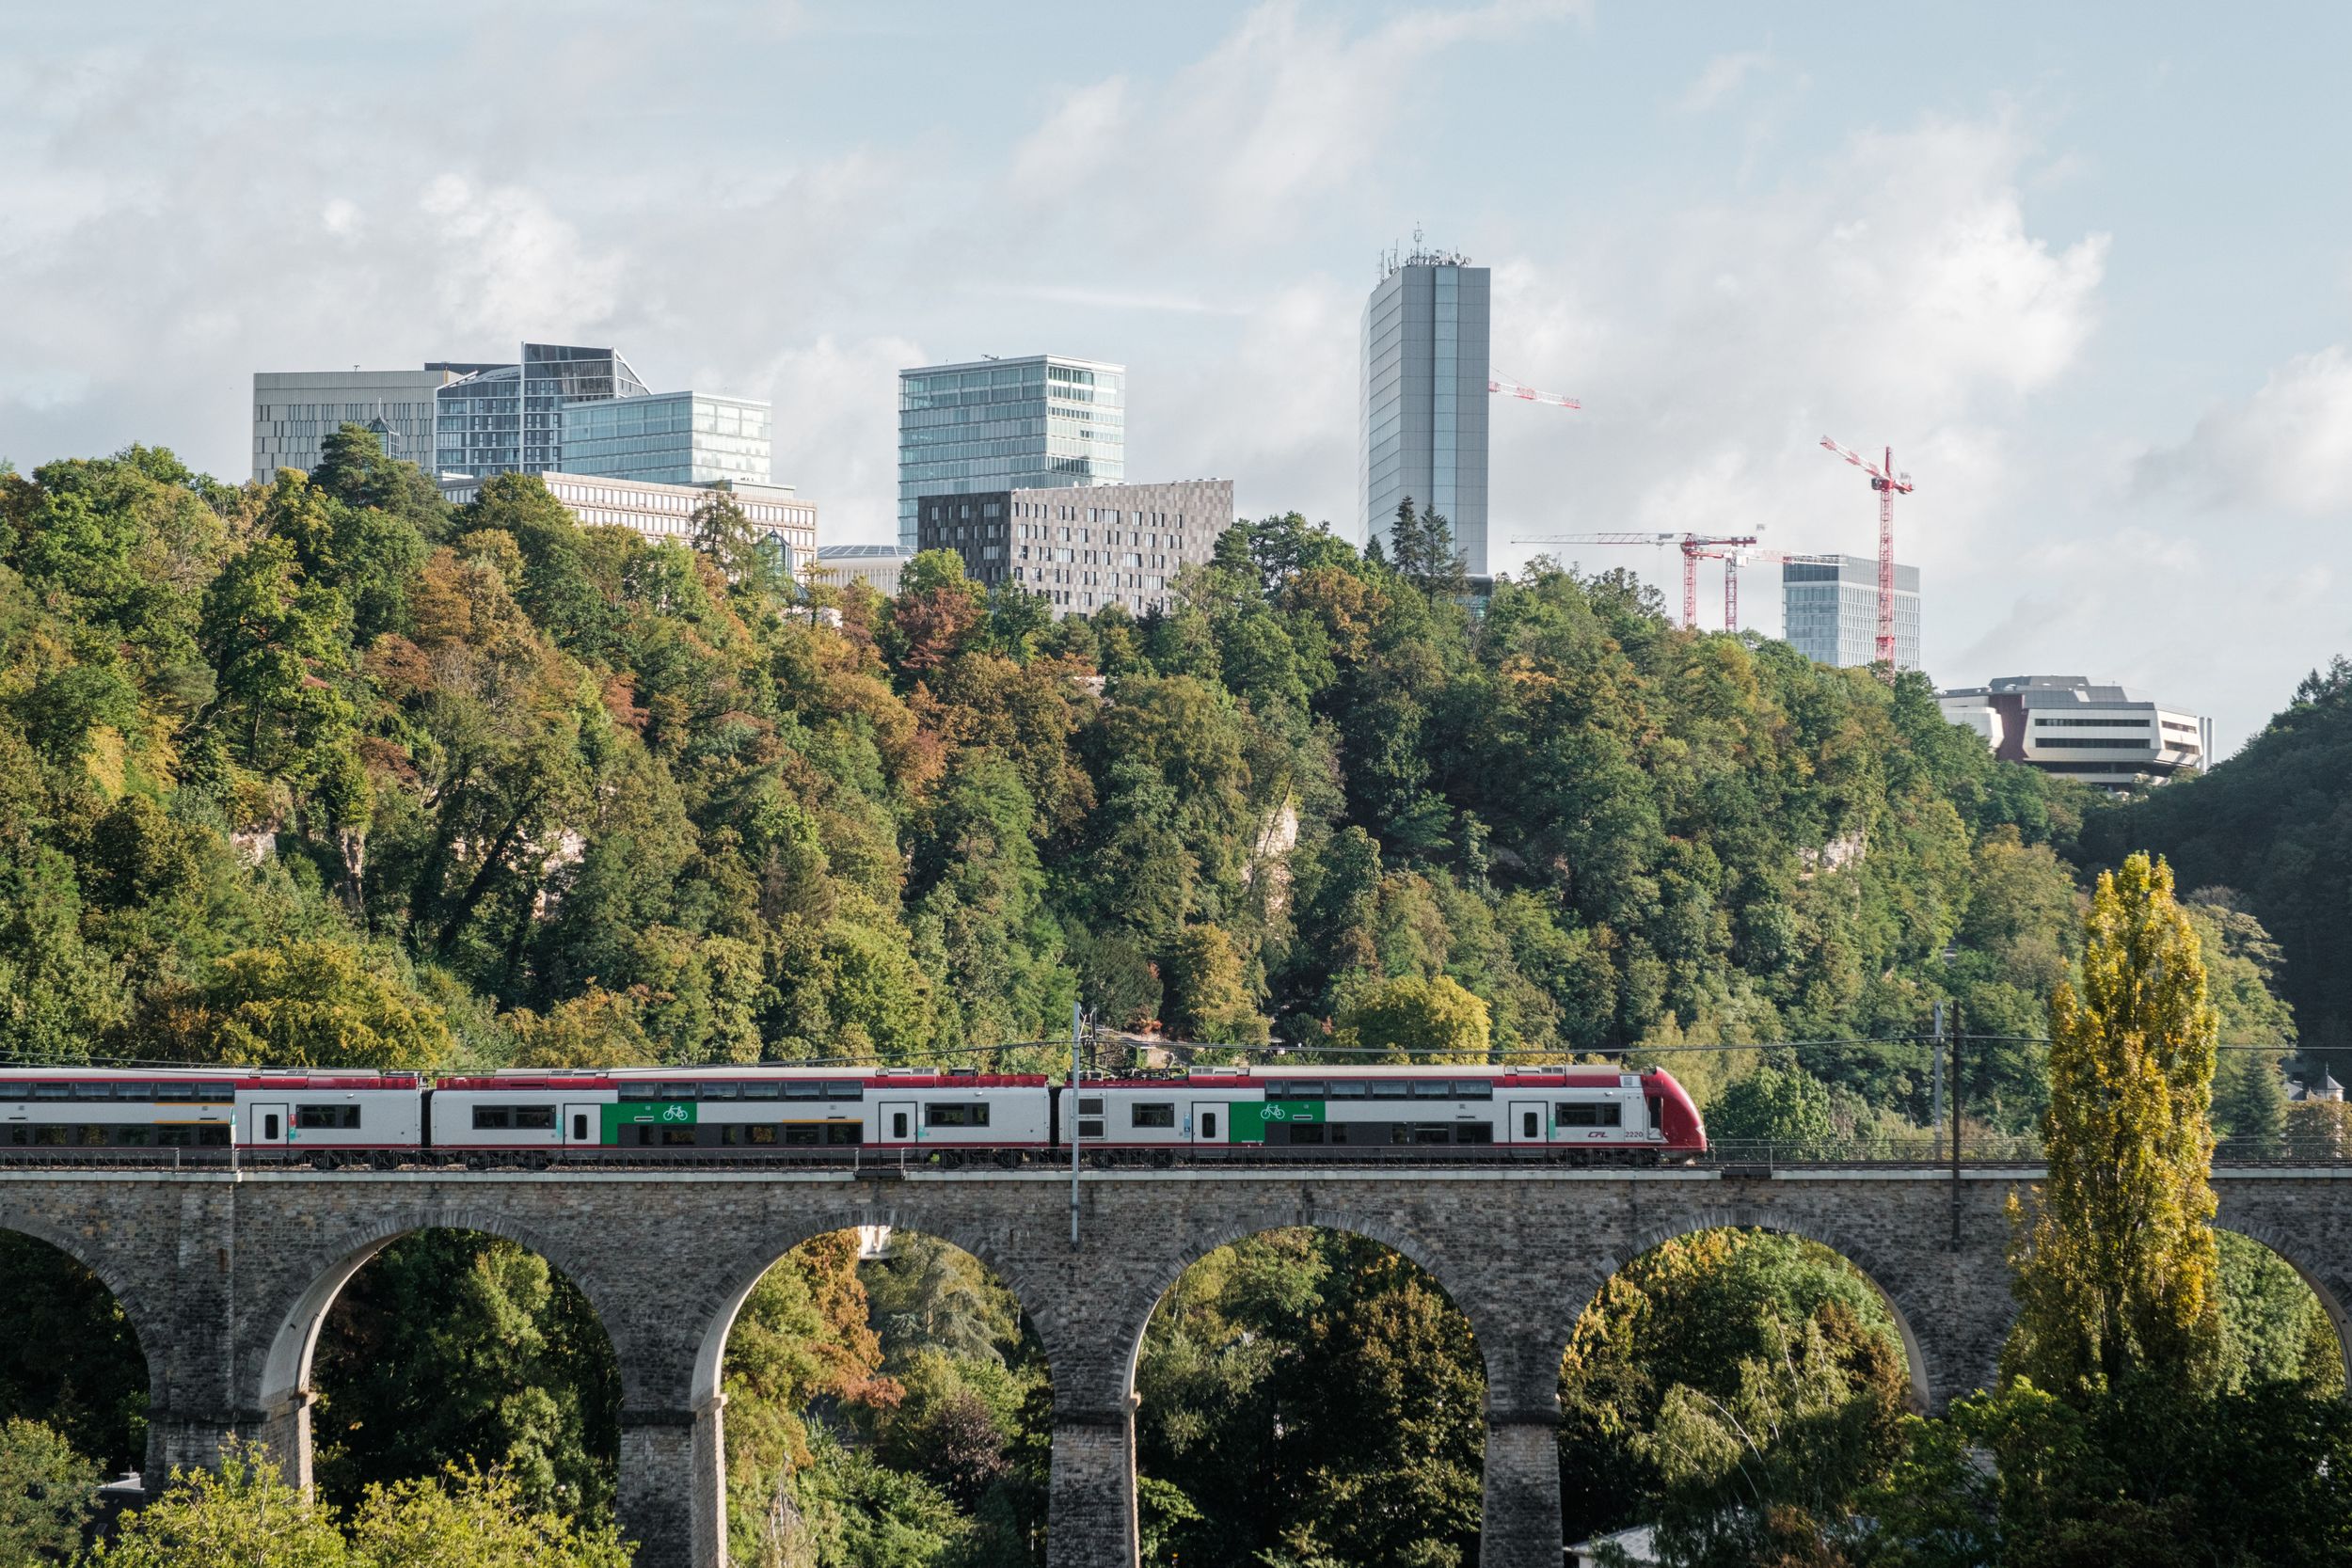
(664, 514)
(1830, 610)
(509, 419)
(1082, 549)
(1422, 433)
(997, 425)
(668, 438)
(2103, 734)
(876, 565)
(295, 411)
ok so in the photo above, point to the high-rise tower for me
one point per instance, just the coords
(1424, 397)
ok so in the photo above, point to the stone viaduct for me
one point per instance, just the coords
(227, 1276)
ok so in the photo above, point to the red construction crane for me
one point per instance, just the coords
(1506, 387)
(1888, 483)
(1692, 545)
(1735, 558)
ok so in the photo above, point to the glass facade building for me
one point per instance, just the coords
(1424, 426)
(295, 411)
(509, 419)
(992, 425)
(1830, 610)
(668, 438)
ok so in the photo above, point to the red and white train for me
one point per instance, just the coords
(1570, 1114)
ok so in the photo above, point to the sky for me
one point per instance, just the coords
(2087, 269)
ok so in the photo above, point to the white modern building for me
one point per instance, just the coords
(876, 565)
(665, 513)
(1044, 422)
(295, 411)
(1830, 610)
(2103, 734)
(1423, 426)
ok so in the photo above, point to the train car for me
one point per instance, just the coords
(1581, 1114)
(748, 1110)
(272, 1111)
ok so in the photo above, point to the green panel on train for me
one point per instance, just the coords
(1250, 1119)
(665, 1113)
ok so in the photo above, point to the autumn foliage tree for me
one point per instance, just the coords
(2116, 1259)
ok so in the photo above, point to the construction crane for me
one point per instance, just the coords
(1695, 548)
(1734, 559)
(1503, 387)
(1888, 483)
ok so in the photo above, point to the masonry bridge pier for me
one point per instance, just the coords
(227, 1276)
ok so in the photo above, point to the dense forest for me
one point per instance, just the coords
(329, 772)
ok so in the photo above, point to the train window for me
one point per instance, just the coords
(50, 1136)
(1155, 1114)
(762, 1134)
(134, 1091)
(1390, 1089)
(1472, 1133)
(1433, 1133)
(1527, 1124)
(93, 1091)
(541, 1118)
(1342, 1088)
(848, 1088)
(763, 1089)
(175, 1091)
(899, 1124)
(20, 1136)
(212, 1134)
(674, 1137)
(1306, 1132)
(845, 1134)
(269, 1127)
(489, 1118)
(1277, 1088)
(722, 1091)
(1093, 1107)
(1089, 1129)
(341, 1118)
(1338, 1131)
(1474, 1088)
(580, 1128)
(803, 1134)
(1591, 1113)
(954, 1115)
(1208, 1124)
(1432, 1088)
(222, 1092)
(678, 1091)
(132, 1137)
(804, 1091)
(52, 1091)
(1301, 1089)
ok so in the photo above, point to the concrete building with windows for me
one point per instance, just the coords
(2103, 734)
(1830, 610)
(295, 411)
(991, 426)
(664, 514)
(1423, 432)
(876, 565)
(1082, 549)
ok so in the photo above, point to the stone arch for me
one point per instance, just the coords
(278, 1366)
(150, 1332)
(1901, 1303)
(1164, 1271)
(717, 1307)
(2332, 1291)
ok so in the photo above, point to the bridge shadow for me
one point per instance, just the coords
(71, 1355)
(1311, 1393)
(880, 1383)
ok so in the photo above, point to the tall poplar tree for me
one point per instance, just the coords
(2116, 1260)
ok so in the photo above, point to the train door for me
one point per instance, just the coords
(896, 1119)
(1530, 1123)
(583, 1125)
(1208, 1118)
(266, 1125)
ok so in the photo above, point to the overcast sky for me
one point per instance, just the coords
(2087, 268)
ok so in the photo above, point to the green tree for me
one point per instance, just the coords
(1412, 1020)
(2115, 1261)
(470, 1518)
(242, 1515)
(308, 1003)
(47, 1491)
(1785, 1108)
(1208, 996)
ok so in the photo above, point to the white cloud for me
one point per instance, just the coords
(2287, 449)
(1721, 80)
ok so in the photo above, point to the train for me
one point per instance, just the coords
(1568, 1114)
